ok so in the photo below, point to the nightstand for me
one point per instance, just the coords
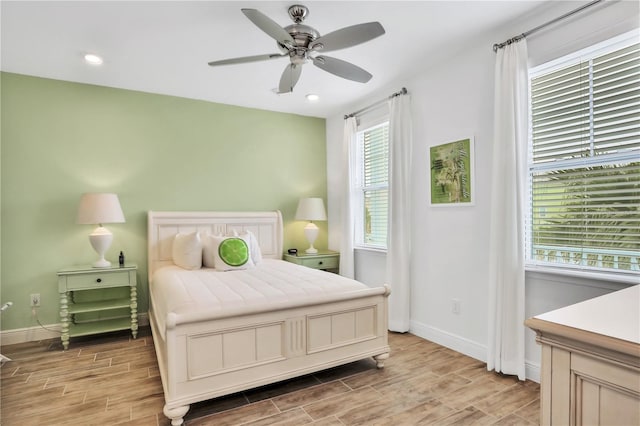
(325, 260)
(84, 310)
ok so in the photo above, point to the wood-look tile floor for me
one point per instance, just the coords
(113, 379)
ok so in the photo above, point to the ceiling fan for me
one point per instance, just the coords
(302, 43)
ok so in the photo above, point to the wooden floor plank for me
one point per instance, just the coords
(426, 413)
(338, 404)
(114, 379)
(294, 417)
(309, 395)
(508, 401)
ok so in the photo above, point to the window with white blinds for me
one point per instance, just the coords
(373, 186)
(584, 162)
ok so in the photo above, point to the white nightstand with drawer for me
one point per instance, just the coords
(325, 260)
(79, 288)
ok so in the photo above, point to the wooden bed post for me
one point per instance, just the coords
(176, 414)
(380, 359)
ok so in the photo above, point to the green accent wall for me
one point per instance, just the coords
(157, 152)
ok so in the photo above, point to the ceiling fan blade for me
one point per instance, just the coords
(269, 26)
(247, 59)
(289, 78)
(342, 68)
(347, 37)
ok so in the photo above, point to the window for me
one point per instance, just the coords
(372, 182)
(584, 161)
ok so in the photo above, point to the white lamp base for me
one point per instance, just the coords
(101, 239)
(311, 232)
(101, 263)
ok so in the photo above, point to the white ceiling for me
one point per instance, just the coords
(163, 47)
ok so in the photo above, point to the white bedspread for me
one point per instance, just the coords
(206, 292)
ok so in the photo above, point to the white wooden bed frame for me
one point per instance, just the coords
(208, 357)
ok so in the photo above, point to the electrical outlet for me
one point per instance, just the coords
(35, 299)
(455, 306)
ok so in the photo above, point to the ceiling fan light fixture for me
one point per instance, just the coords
(312, 97)
(93, 59)
(302, 43)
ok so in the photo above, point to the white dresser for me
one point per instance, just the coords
(590, 372)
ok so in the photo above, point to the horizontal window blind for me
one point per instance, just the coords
(560, 106)
(616, 101)
(376, 156)
(585, 163)
(374, 184)
(376, 206)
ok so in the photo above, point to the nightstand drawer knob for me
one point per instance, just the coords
(320, 263)
(99, 280)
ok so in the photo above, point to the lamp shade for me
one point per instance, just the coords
(98, 208)
(311, 209)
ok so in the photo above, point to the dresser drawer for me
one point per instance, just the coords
(97, 280)
(329, 262)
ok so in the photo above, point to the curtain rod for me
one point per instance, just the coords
(402, 91)
(546, 24)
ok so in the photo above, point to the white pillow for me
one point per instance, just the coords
(187, 250)
(256, 253)
(254, 246)
(207, 251)
(228, 253)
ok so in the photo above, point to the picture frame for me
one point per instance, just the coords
(451, 173)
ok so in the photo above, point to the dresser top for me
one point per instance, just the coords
(614, 315)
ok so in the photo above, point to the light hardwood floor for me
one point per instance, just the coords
(113, 379)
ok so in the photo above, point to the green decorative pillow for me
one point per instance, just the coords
(234, 252)
(230, 253)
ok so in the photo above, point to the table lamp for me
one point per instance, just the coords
(311, 209)
(97, 209)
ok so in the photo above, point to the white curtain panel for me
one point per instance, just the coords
(347, 265)
(399, 230)
(506, 269)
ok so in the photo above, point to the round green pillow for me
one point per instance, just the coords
(234, 252)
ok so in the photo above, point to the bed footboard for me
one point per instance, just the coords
(207, 359)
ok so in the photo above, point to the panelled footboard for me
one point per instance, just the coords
(206, 359)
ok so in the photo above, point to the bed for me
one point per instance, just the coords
(236, 330)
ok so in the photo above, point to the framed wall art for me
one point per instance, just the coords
(451, 173)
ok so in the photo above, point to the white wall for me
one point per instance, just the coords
(454, 99)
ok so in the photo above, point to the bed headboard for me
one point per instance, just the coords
(163, 226)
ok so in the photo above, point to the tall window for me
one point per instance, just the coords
(372, 181)
(584, 162)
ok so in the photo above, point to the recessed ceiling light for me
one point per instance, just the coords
(312, 97)
(92, 59)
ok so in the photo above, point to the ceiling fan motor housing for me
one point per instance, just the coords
(302, 34)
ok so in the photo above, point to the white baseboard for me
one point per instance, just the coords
(451, 341)
(532, 371)
(52, 331)
(465, 346)
(30, 334)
